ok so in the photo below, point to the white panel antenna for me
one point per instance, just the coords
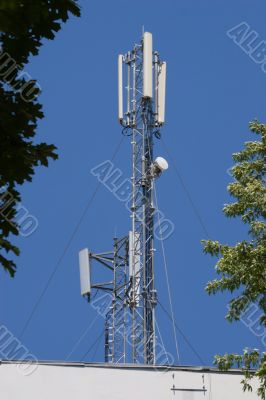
(147, 65)
(120, 88)
(84, 269)
(161, 93)
(134, 267)
(134, 262)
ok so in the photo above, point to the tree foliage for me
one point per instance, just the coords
(241, 268)
(250, 360)
(24, 24)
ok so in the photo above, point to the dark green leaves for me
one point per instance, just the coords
(24, 24)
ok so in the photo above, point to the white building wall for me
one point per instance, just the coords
(79, 382)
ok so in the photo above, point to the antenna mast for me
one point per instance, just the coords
(130, 320)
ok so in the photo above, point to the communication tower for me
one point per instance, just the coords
(130, 318)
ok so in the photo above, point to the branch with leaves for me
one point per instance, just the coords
(24, 25)
(251, 360)
(241, 268)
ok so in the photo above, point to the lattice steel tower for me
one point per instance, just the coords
(130, 314)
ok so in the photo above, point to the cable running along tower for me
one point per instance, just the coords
(132, 298)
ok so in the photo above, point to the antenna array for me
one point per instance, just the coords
(130, 318)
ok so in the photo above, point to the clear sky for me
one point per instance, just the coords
(213, 90)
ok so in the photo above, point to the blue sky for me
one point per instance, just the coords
(213, 90)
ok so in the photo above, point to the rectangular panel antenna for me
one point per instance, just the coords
(84, 269)
(134, 263)
(120, 88)
(134, 247)
(161, 93)
(147, 65)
